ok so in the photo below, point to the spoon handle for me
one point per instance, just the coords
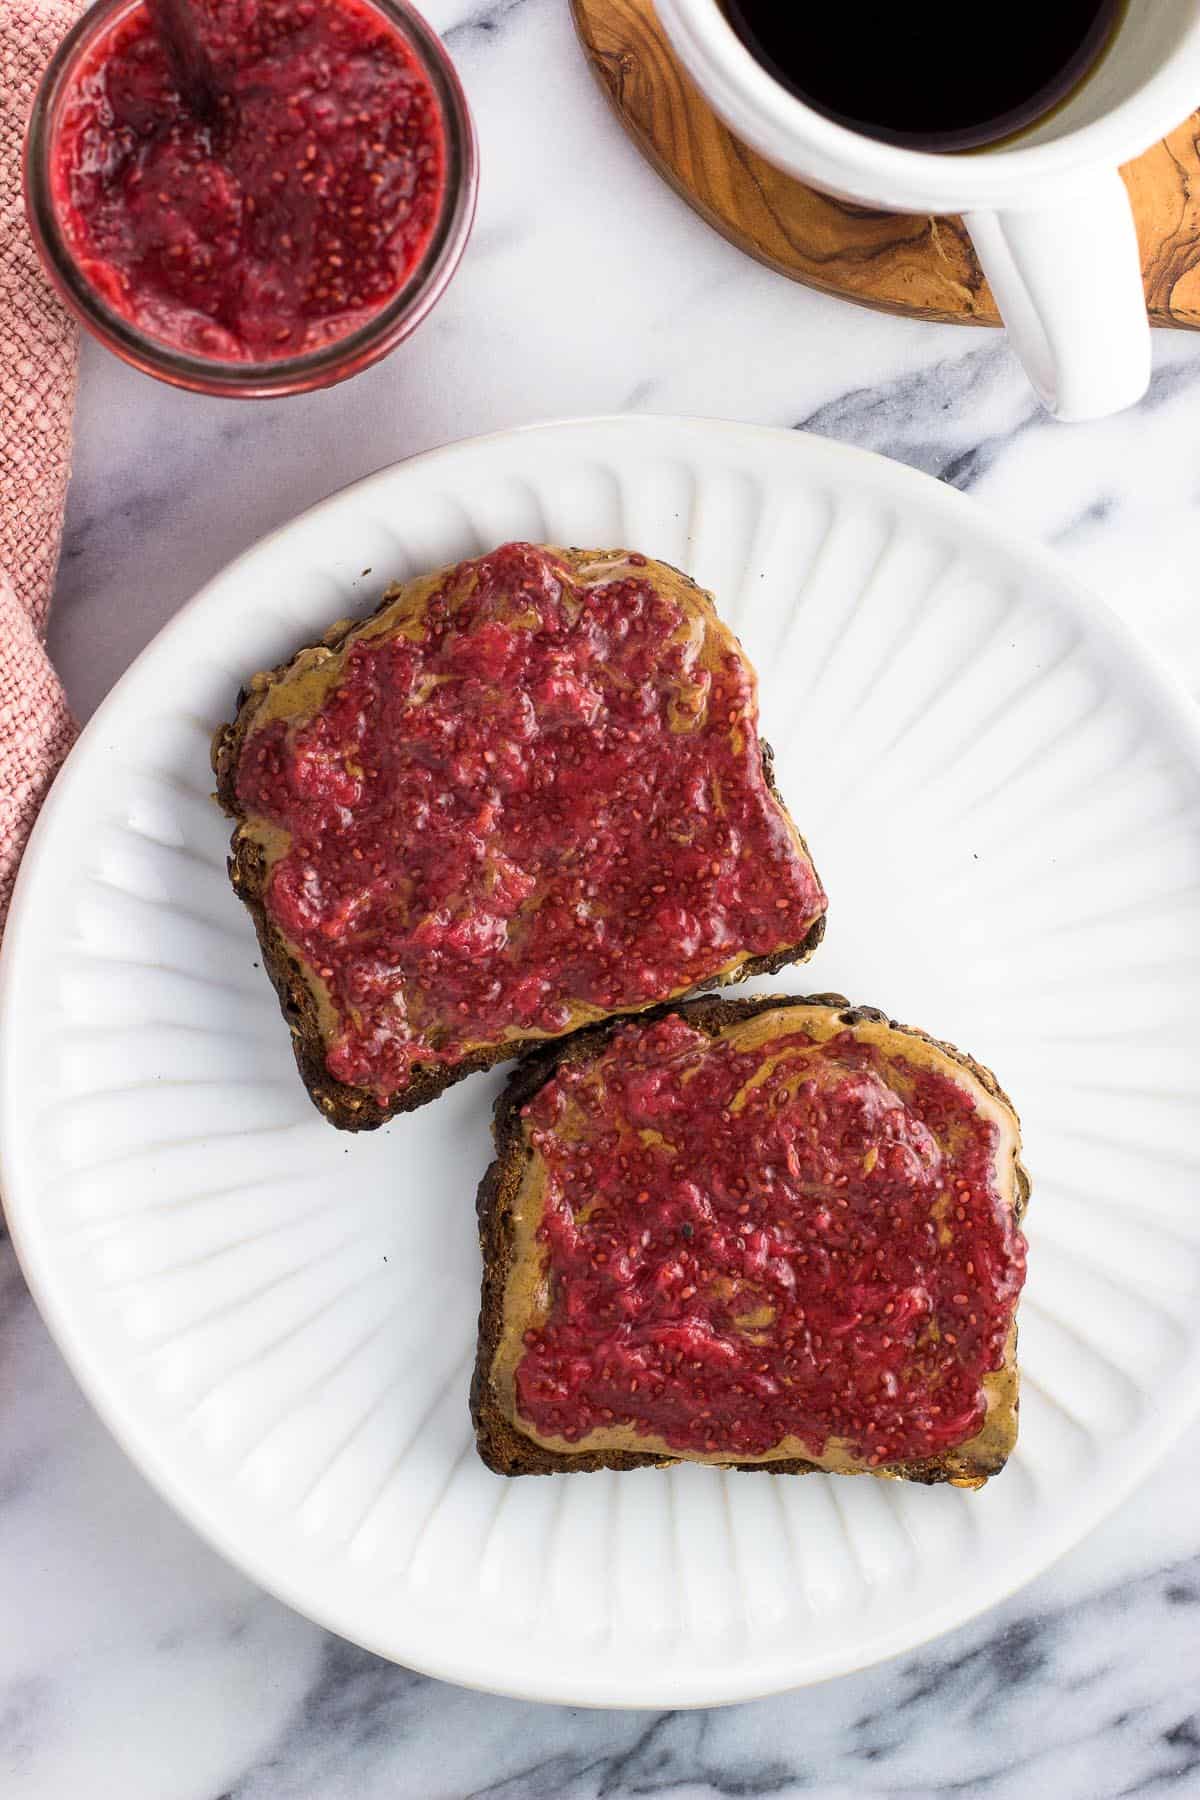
(178, 29)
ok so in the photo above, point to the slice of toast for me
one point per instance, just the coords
(777, 1234)
(525, 795)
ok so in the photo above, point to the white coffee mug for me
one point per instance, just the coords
(1048, 214)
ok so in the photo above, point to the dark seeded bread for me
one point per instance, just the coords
(352, 1108)
(501, 1443)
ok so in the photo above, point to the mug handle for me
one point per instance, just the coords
(1068, 282)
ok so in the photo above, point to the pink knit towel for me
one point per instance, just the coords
(37, 395)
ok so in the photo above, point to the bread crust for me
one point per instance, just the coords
(353, 1108)
(500, 1443)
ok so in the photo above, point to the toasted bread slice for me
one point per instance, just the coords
(525, 795)
(776, 1234)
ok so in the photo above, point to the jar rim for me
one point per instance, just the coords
(332, 362)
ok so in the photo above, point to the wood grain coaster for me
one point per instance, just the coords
(922, 267)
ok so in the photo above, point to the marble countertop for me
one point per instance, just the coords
(133, 1660)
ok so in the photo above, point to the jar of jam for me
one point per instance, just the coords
(277, 232)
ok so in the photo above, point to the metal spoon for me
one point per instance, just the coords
(179, 30)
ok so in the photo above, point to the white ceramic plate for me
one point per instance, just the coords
(278, 1320)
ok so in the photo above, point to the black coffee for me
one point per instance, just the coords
(929, 75)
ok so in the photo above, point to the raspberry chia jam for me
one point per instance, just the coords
(743, 1249)
(280, 240)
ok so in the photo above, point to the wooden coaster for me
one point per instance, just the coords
(898, 262)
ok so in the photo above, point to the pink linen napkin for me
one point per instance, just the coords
(36, 400)
(38, 351)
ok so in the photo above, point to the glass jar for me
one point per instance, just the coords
(290, 374)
